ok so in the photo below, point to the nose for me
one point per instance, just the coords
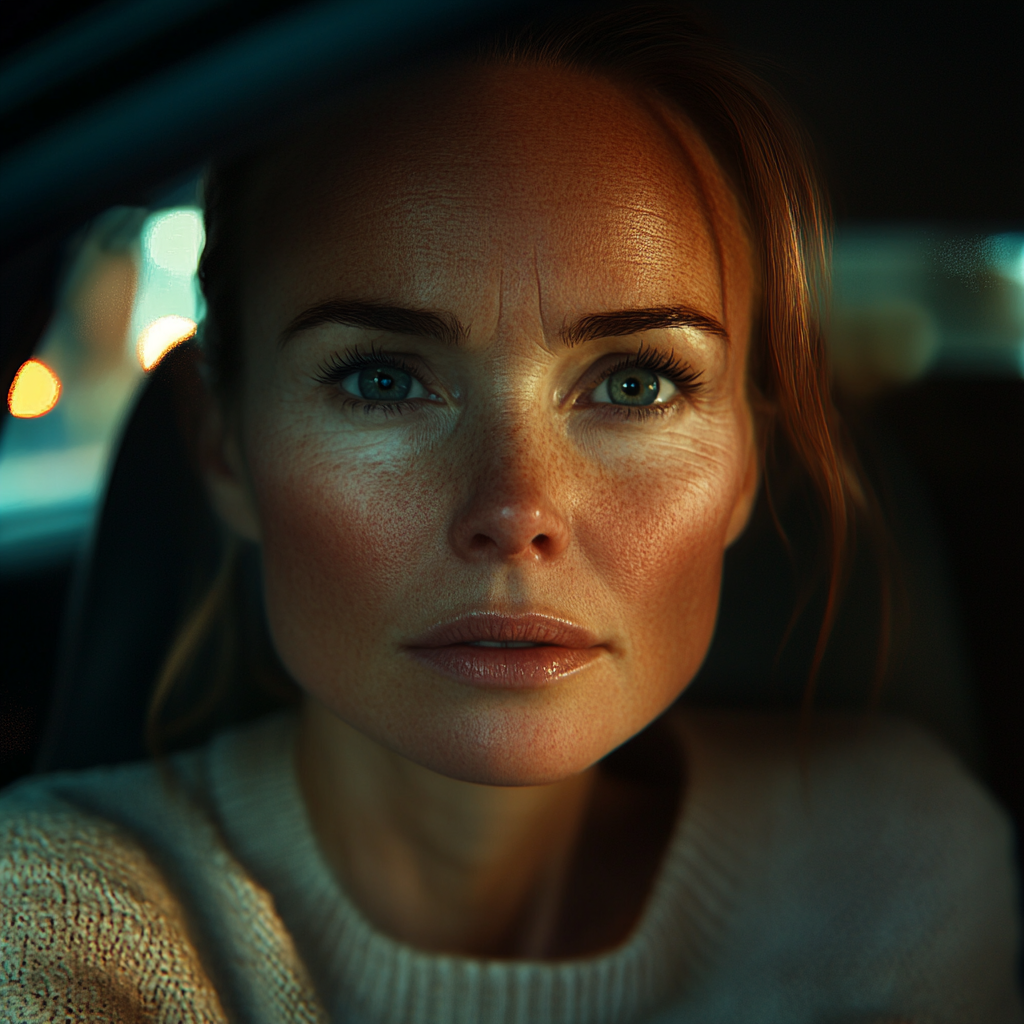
(510, 516)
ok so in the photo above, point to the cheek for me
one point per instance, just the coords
(343, 536)
(656, 537)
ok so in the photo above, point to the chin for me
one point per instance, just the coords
(511, 754)
(529, 742)
(486, 736)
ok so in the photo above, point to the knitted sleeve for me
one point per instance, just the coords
(90, 930)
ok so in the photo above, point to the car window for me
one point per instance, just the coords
(913, 300)
(129, 295)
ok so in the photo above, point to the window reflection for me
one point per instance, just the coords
(128, 296)
(915, 300)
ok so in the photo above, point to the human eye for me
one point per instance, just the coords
(375, 381)
(648, 383)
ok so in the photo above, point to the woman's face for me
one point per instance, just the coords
(496, 330)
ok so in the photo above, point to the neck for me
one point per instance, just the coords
(441, 864)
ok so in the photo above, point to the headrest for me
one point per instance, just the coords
(155, 545)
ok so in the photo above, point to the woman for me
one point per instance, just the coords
(496, 353)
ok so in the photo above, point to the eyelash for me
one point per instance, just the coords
(687, 380)
(338, 367)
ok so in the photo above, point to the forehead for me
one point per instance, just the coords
(488, 171)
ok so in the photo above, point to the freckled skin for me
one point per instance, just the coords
(518, 200)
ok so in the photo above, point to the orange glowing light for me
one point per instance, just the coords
(34, 390)
(161, 336)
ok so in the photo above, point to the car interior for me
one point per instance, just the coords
(109, 111)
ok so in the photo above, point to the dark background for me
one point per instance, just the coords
(918, 117)
(917, 110)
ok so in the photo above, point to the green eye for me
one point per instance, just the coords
(380, 384)
(634, 386)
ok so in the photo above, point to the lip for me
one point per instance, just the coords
(529, 628)
(565, 649)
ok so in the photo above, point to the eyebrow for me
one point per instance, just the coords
(375, 316)
(621, 322)
(446, 327)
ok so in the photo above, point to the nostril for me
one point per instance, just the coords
(482, 541)
(507, 531)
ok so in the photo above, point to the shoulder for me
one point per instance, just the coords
(88, 921)
(879, 855)
(910, 808)
(883, 773)
(926, 860)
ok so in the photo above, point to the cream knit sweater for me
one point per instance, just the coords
(880, 890)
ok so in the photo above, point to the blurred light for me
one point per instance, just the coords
(884, 343)
(1007, 254)
(34, 390)
(161, 336)
(173, 240)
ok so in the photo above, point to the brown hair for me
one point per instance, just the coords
(664, 54)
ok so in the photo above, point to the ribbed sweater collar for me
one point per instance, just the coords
(360, 970)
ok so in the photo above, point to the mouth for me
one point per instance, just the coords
(511, 644)
(494, 651)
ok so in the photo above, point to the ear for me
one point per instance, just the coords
(225, 472)
(746, 497)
